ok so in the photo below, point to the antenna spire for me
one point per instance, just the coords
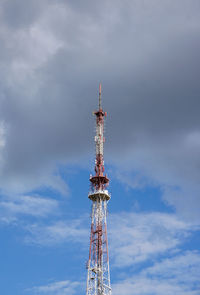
(99, 96)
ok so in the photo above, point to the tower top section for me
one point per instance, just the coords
(99, 96)
(99, 181)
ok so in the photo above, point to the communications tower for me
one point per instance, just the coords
(98, 277)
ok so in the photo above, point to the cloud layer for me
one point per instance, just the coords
(58, 288)
(177, 275)
(137, 237)
(146, 250)
(146, 53)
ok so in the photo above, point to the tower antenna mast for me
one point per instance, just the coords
(99, 96)
(98, 276)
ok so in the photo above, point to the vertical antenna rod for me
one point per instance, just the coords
(98, 278)
(99, 96)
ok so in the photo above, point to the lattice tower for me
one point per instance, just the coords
(98, 277)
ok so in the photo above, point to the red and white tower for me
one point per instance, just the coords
(98, 278)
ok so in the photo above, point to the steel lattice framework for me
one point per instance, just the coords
(98, 278)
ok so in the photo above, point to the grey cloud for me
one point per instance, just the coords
(147, 57)
(20, 13)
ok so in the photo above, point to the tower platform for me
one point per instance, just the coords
(100, 194)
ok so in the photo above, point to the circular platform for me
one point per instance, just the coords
(103, 195)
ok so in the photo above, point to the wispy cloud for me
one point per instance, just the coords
(178, 275)
(133, 237)
(137, 237)
(13, 209)
(151, 241)
(58, 288)
(57, 233)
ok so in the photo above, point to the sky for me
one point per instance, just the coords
(53, 55)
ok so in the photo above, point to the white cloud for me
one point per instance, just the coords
(57, 233)
(58, 288)
(139, 237)
(133, 237)
(12, 209)
(136, 239)
(177, 275)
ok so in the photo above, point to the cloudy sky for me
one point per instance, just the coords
(53, 54)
